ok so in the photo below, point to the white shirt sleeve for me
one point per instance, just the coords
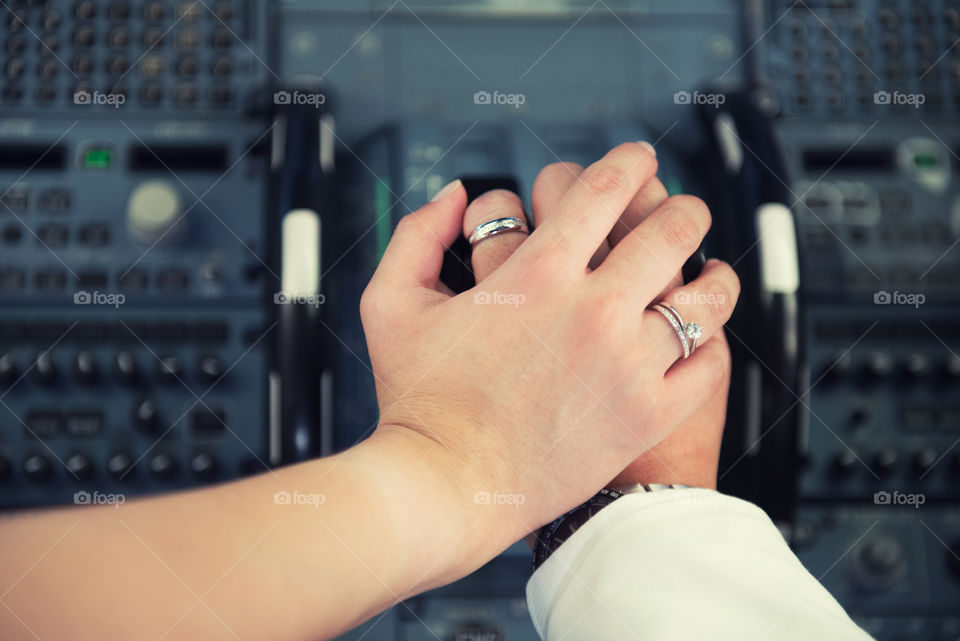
(678, 565)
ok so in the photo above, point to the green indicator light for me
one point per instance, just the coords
(384, 224)
(925, 160)
(97, 158)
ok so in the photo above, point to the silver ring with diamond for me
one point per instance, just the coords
(693, 331)
(677, 326)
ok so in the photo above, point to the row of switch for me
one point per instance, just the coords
(50, 201)
(149, 95)
(879, 365)
(145, 416)
(126, 368)
(58, 235)
(152, 66)
(888, 460)
(866, 101)
(120, 466)
(120, 37)
(130, 331)
(19, 18)
(54, 279)
(932, 234)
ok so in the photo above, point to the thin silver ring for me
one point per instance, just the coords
(677, 327)
(693, 331)
(498, 226)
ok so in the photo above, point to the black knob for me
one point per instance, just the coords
(85, 368)
(882, 556)
(45, 369)
(839, 367)
(85, 10)
(145, 415)
(8, 369)
(925, 459)
(209, 369)
(119, 465)
(126, 368)
(878, 365)
(80, 466)
(886, 459)
(204, 465)
(844, 462)
(169, 369)
(953, 560)
(860, 416)
(120, 10)
(952, 367)
(51, 20)
(37, 467)
(153, 11)
(163, 466)
(917, 366)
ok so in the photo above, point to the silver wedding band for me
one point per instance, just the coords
(688, 333)
(494, 227)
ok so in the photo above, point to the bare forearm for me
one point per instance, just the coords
(300, 553)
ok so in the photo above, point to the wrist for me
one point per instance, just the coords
(432, 504)
(696, 469)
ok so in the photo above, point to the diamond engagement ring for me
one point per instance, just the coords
(693, 331)
(688, 333)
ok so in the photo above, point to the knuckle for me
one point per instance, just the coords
(601, 318)
(497, 201)
(733, 282)
(368, 303)
(603, 179)
(718, 300)
(682, 229)
(697, 209)
(558, 170)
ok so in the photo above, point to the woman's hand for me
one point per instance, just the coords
(549, 377)
(688, 455)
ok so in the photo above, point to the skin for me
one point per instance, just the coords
(690, 454)
(541, 401)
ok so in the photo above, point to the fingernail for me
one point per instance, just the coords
(449, 187)
(648, 147)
